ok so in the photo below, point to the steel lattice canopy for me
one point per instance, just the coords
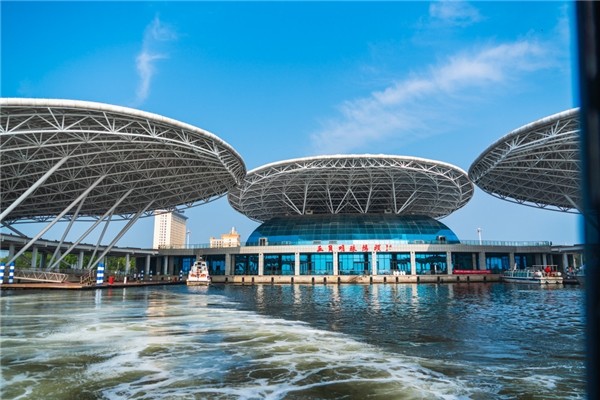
(165, 161)
(536, 165)
(352, 184)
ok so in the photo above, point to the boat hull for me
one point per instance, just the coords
(547, 280)
(197, 283)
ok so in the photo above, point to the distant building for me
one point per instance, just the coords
(231, 239)
(169, 229)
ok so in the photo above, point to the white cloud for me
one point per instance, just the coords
(408, 109)
(155, 34)
(457, 13)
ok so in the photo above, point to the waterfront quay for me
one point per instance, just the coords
(258, 280)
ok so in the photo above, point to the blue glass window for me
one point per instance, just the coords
(308, 229)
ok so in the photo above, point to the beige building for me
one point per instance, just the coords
(230, 239)
(169, 229)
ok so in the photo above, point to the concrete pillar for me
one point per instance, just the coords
(147, 267)
(511, 260)
(261, 264)
(229, 264)
(565, 262)
(11, 251)
(165, 264)
(171, 267)
(449, 266)
(544, 259)
(413, 263)
(297, 263)
(127, 261)
(482, 264)
(80, 260)
(336, 264)
(474, 261)
(34, 255)
(374, 263)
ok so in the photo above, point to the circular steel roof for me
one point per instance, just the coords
(536, 165)
(167, 163)
(352, 184)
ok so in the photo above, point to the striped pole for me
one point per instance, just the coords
(2, 266)
(100, 274)
(11, 272)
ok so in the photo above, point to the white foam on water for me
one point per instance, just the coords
(198, 345)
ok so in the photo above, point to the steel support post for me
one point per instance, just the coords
(91, 228)
(129, 224)
(58, 217)
(32, 188)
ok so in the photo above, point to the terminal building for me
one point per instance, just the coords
(343, 216)
(375, 216)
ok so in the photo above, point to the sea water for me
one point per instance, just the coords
(405, 341)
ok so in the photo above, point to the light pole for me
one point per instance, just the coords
(479, 234)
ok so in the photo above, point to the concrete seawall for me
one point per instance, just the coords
(351, 279)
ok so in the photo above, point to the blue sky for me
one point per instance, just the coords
(280, 80)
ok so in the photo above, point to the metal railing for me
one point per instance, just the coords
(40, 276)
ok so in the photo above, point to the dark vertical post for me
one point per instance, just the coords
(588, 18)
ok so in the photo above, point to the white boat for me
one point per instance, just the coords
(198, 275)
(540, 275)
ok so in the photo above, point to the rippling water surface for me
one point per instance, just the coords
(449, 341)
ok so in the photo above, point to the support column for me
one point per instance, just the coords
(127, 261)
(336, 265)
(261, 264)
(80, 260)
(511, 260)
(296, 264)
(34, 254)
(147, 266)
(165, 265)
(43, 260)
(171, 268)
(482, 265)
(229, 264)
(565, 262)
(449, 266)
(544, 259)
(413, 263)
(374, 263)
(11, 251)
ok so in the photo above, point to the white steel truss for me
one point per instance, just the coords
(536, 165)
(171, 163)
(351, 184)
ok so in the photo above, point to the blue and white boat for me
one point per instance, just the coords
(538, 274)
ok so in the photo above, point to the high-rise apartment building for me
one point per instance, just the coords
(169, 229)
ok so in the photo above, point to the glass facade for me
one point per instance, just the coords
(465, 261)
(311, 229)
(388, 263)
(215, 263)
(354, 264)
(497, 262)
(523, 261)
(246, 264)
(278, 264)
(316, 264)
(431, 263)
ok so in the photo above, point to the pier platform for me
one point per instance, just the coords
(268, 280)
